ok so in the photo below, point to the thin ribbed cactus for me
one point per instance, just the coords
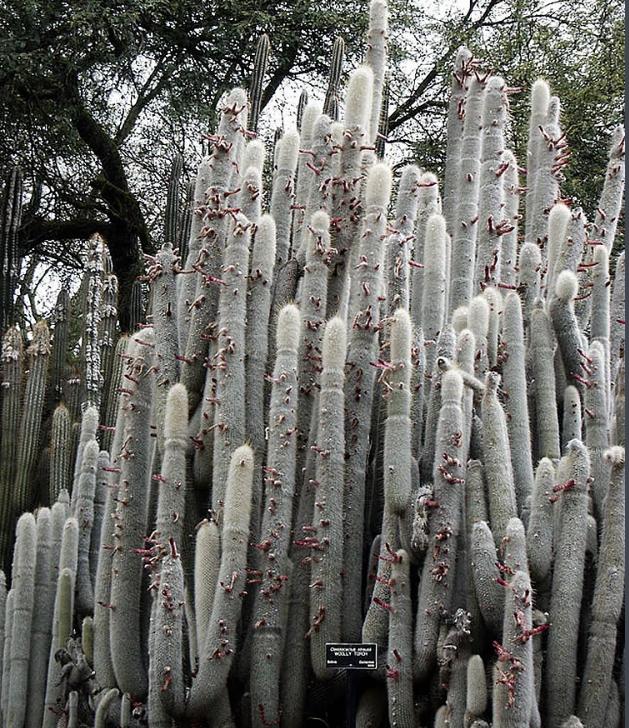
(10, 221)
(28, 437)
(256, 85)
(171, 218)
(336, 68)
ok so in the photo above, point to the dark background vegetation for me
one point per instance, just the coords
(96, 96)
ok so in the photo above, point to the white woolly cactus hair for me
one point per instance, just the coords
(378, 185)
(358, 98)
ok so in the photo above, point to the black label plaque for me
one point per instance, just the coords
(351, 656)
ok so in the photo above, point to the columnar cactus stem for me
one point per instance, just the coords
(12, 362)
(220, 642)
(348, 184)
(608, 597)
(542, 353)
(162, 275)
(42, 622)
(516, 404)
(463, 65)
(62, 620)
(169, 523)
(446, 349)
(376, 58)
(9, 250)
(3, 606)
(60, 440)
(6, 652)
(398, 243)
(596, 424)
(433, 293)
(399, 669)
(283, 194)
(186, 284)
(529, 267)
(326, 593)
(60, 332)
(540, 98)
(566, 325)
(511, 189)
(465, 226)
(173, 194)
(84, 512)
(570, 251)
(539, 536)
(305, 125)
(491, 225)
(313, 310)
(561, 656)
(495, 304)
(208, 262)
(228, 363)
(552, 155)
(23, 587)
(497, 459)
(272, 595)
(257, 347)
(600, 316)
(90, 353)
(249, 199)
(28, 438)
(206, 565)
(89, 427)
(428, 205)
(516, 694)
(610, 203)
(489, 593)
(110, 405)
(572, 426)
(617, 315)
(364, 314)
(130, 520)
(476, 700)
(397, 433)
(107, 336)
(100, 500)
(318, 174)
(256, 85)
(167, 654)
(336, 68)
(437, 581)
(558, 220)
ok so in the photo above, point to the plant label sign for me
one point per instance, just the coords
(350, 656)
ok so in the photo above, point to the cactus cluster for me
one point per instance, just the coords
(346, 415)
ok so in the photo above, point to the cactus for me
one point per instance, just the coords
(341, 501)
(399, 669)
(23, 588)
(220, 642)
(327, 520)
(272, 595)
(257, 80)
(11, 219)
(437, 580)
(566, 589)
(607, 600)
(336, 68)
(28, 438)
(497, 459)
(466, 217)
(364, 314)
(130, 520)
